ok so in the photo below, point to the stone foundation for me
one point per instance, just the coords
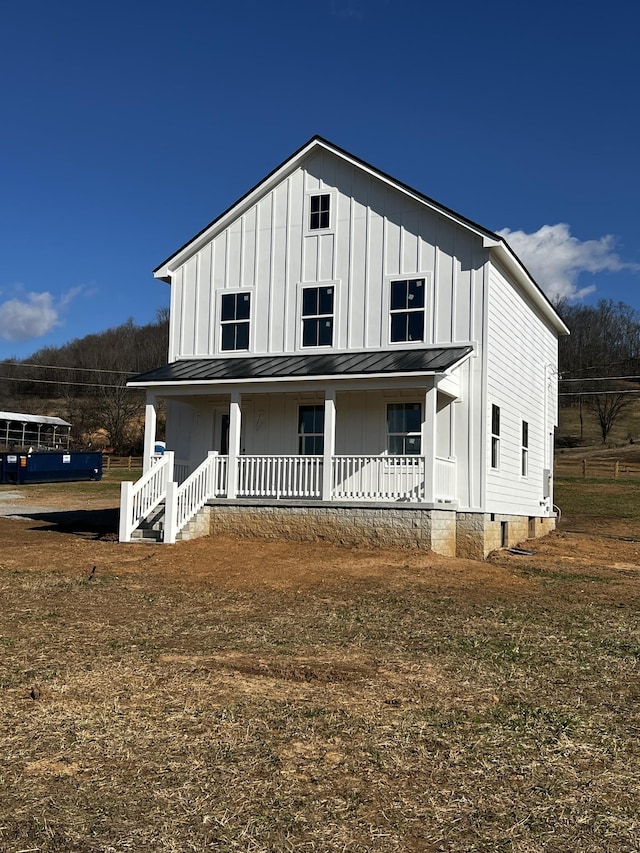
(446, 531)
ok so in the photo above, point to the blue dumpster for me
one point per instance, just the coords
(51, 466)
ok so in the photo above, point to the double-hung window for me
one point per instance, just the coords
(524, 469)
(495, 436)
(319, 212)
(404, 425)
(311, 430)
(235, 317)
(407, 310)
(317, 316)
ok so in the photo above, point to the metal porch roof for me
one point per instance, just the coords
(344, 364)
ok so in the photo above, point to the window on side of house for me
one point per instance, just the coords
(407, 310)
(404, 429)
(317, 316)
(495, 436)
(525, 449)
(310, 430)
(235, 317)
(319, 212)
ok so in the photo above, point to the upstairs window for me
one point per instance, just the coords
(311, 430)
(319, 212)
(495, 436)
(524, 470)
(404, 426)
(407, 310)
(235, 319)
(317, 316)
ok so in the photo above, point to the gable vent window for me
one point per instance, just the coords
(319, 212)
(407, 310)
(317, 316)
(235, 319)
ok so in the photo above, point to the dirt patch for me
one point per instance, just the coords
(226, 694)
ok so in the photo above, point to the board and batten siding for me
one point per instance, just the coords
(522, 381)
(377, 233)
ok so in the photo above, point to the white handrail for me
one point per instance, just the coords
(185, 500)
(138, 500)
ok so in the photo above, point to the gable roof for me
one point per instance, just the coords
(413, 362)
(494, 243)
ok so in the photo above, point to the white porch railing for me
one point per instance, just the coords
(445, 484)
(280, 477)
(378, 478)
(138, 500)
(354, 478)
(185, 500)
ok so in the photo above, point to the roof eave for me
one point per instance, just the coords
(507, 257)
(193, 245)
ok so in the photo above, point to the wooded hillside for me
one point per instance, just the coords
(84, 382)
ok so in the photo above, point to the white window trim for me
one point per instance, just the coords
(494, 437)
(524, 450)
(250, 291)
(415, 434)
(300, 435)
(336, 308)
(333, 199)
(428, 310)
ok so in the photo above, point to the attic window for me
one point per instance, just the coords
(235, 320)
(319, 212)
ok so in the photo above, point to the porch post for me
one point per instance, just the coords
(150, 420)
(329, 443)
(235, 422)
(428, 434)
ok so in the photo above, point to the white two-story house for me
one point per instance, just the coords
(350, 360)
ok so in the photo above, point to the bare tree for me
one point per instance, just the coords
(604, 345)
(608, 408)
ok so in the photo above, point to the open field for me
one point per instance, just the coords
(233, 695)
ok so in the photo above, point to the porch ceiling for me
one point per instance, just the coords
(290, 367)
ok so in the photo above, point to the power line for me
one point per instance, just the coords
(602, 379)
(594, 393)
(57, 367)
(62, 382)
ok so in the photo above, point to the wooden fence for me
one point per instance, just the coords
(616, 469)
(113, 463)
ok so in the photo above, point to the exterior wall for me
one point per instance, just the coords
(446, 532)
(377, 233)
(521, 358)
(270, 423)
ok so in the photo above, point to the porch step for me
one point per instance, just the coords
(150, 530)
(198, 526)
(147, 537)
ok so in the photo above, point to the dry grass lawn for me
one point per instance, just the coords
(231, 695)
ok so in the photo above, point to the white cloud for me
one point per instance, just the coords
(556, 259)
(31, 315)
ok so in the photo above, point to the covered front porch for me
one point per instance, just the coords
(334, 440)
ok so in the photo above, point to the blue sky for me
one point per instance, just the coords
(127, 127)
